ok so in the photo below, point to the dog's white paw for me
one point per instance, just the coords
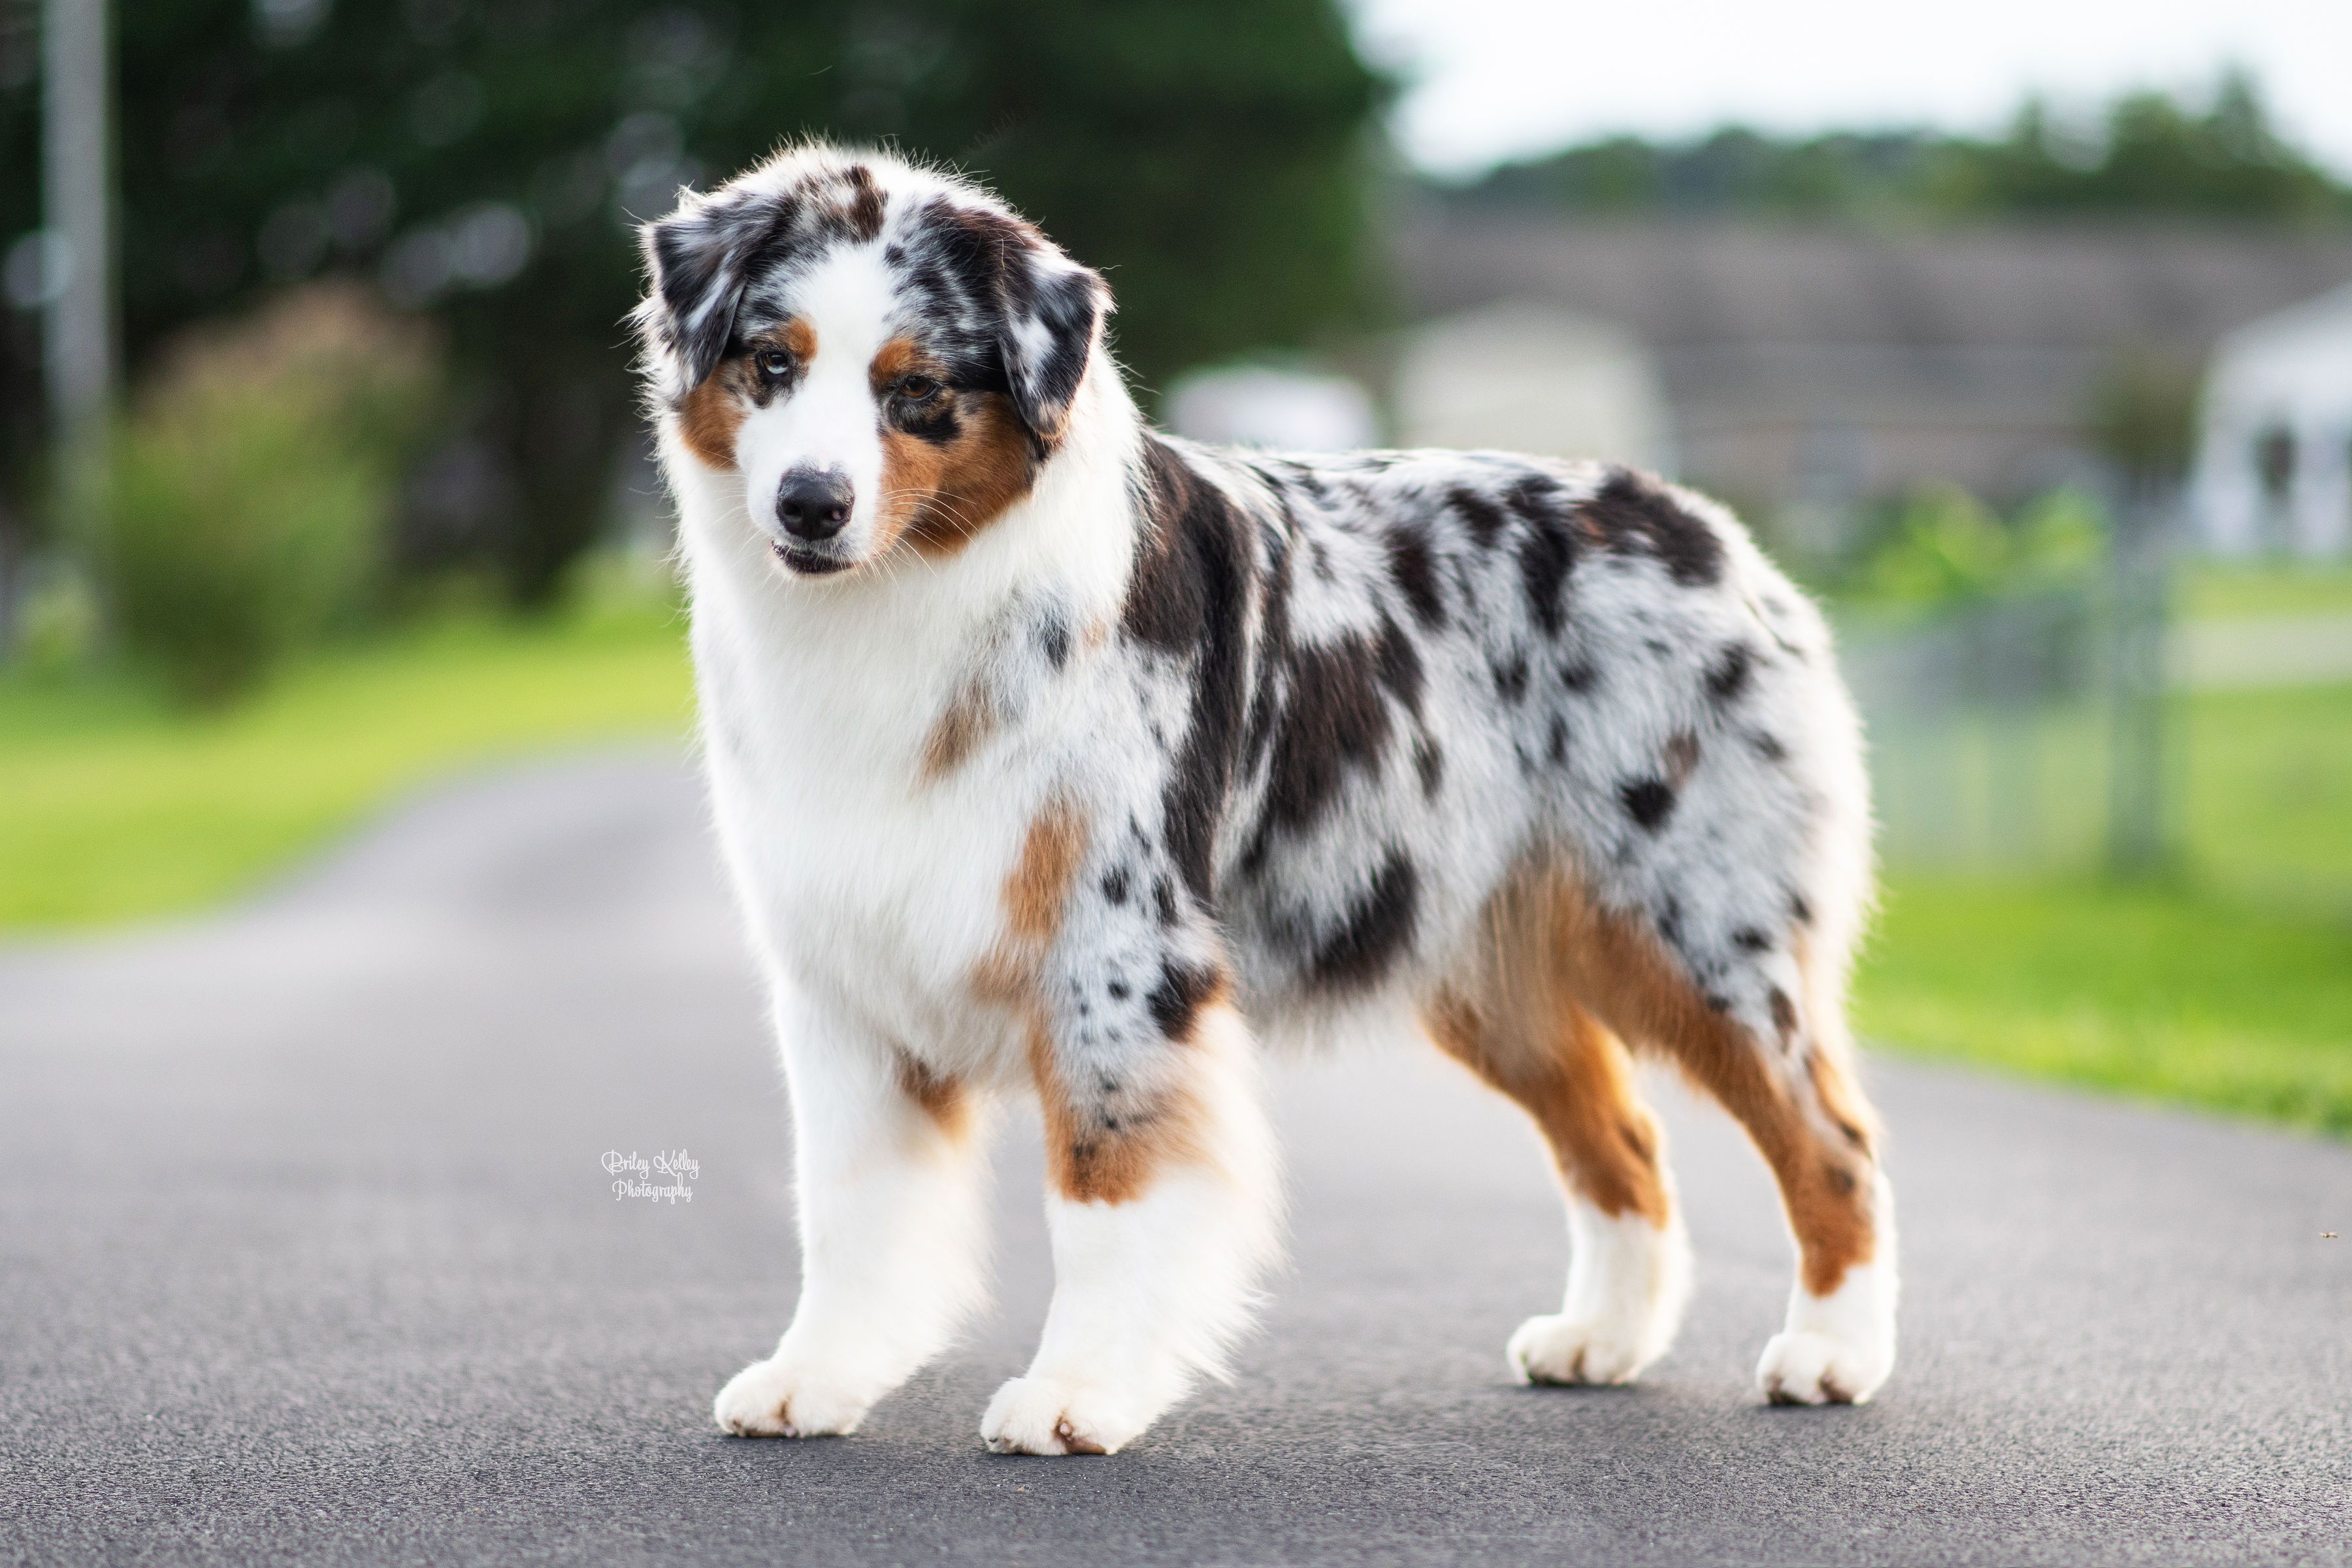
(1045, 1415)
(1802, 1368)
(1560, 1349)
(782, 1398)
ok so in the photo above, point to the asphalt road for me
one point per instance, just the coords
(307, 1254)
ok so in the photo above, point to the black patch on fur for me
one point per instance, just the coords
(1630, 516)
(1649, 802)
(1335, 719)
(1416, 576)
(1482, 517)
(1400, 665)
(1750, 939)
(1053, 636)
(1163, 899)
(1556, 745)
(1184, 989)
(1578, 675)
(863, 211)
(1118, 989)
(1377, 928)
(1784, 1012)
(1799, 911)
(1114, 884)
(1728, 676)
(1188, 597)
(1511, 678)
(937, 424)
(1769, 747)
(1431, 763)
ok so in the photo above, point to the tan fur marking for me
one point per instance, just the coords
(1616, 969)
(940, 1099)
(969, 718)
(709, 417)
(797, 338)
(1041, 879)
(1112, 1159)
(1096, 1163)
(938, 495)
(1535, 1045)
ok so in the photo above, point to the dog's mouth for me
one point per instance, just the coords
(806, 563)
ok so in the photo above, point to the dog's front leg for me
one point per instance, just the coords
(893, 1232)
(1163, 1207)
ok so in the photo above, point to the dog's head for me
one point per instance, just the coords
(879, 352)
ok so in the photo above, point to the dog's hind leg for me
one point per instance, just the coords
(1509, 1017)
(1785, 1078)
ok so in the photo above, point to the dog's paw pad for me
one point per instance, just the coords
(775, 1399)
(1561, 1350)
(1804, 1368)
(1043, 1417)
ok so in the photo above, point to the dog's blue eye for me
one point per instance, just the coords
(773, 365)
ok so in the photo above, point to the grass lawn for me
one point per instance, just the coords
(2228, 985)
(2214, 591)
(2169, 993)
(113, 807)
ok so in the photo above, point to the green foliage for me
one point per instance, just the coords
(250, 494)
(1946, 547)
(2149, 155)
(487, 160)
(115, 807)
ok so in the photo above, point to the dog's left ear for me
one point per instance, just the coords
(1054, 311)
(699, 259)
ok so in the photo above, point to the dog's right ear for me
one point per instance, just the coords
(699, 259)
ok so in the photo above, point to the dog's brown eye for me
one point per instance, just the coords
(774, 365)
(915, 388)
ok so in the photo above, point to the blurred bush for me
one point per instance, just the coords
(1944, 547)
(254, 485)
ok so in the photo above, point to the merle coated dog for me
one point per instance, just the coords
(1054, 755)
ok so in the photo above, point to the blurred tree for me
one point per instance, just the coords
(2146, 155)
(486, 160)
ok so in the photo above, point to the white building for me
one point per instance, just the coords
(1525, 376)
(2274, 457)
(1281, 410)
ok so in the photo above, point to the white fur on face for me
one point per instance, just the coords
(829, 420)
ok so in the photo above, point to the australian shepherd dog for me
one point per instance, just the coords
(1053, 755)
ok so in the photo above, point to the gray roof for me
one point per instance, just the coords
(1979, 343)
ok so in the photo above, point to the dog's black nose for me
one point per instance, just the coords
(812, 504)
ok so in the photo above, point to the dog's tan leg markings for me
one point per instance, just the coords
(1513, 1019)
(1804, 1112)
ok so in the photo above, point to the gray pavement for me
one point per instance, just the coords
(306, 1254)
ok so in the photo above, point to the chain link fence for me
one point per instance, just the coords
(2016, 734)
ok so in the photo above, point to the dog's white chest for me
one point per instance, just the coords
(874, 884)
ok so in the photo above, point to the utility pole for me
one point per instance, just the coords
(77, 347)
(77, 165)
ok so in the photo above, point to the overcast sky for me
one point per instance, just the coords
(1498, 78)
